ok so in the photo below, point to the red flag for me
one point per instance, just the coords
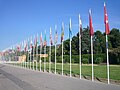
(90, 24)
(107, 30)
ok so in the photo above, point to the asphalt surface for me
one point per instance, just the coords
(15, 78)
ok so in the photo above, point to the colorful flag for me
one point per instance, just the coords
(22, 46)
(18, 47)
(51, 37)
(70, 29)
(56, 35)
(91, 34)
(90, 24)
(28, 44)
(13, 50)
(62, 34)
(45, 42)
(80, 35)
(31, 43)
(107, 30)
(25, 46)
(80, 22)
(41, 40)
(35, 42)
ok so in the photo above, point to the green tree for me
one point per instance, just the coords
(115, 37)
(75, 45)
(99, 42)
(86, 41)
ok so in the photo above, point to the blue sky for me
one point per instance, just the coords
(21, 19)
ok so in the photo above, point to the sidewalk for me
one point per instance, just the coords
(15, 78)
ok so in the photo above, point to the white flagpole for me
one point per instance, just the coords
(20, 54)
(37, 53)
(62, 49)
(44, 55)
(70, 47)
(79, 46)
(91, 34)
(55, 58)
(30, 58)
(50, 59)
(33, 56)
(28, 54)
(55, 48)
(107, 32)
(92, 57)
(22, 51)
(50, 53)
(107, 60)
(24, 54)
(62, 57)
(40, 56)
(44, 59)
(40, 50)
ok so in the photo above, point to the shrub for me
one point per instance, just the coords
(85, 61)
(85, 58)
(99, 58)
(114, 56)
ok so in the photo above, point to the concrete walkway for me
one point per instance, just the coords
(15, 78)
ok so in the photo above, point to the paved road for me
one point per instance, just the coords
(14, 78)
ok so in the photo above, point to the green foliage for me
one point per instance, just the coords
(99, 42)
(115, 38)
(114, 56)
(75, 59)
(85, 58)
(99, 58)
(85, 41)
(99, 47)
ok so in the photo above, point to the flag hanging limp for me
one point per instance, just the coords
(51, 42)
(80, 25)
(70, 30)
(56, 35)
(62, 34)
(45, 42)
(41, 42)
(107, 30)
(90, 24)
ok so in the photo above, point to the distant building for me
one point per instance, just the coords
(22, 58)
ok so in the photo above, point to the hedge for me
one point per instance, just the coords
(86, 58)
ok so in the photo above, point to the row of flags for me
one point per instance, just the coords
(27, 45)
